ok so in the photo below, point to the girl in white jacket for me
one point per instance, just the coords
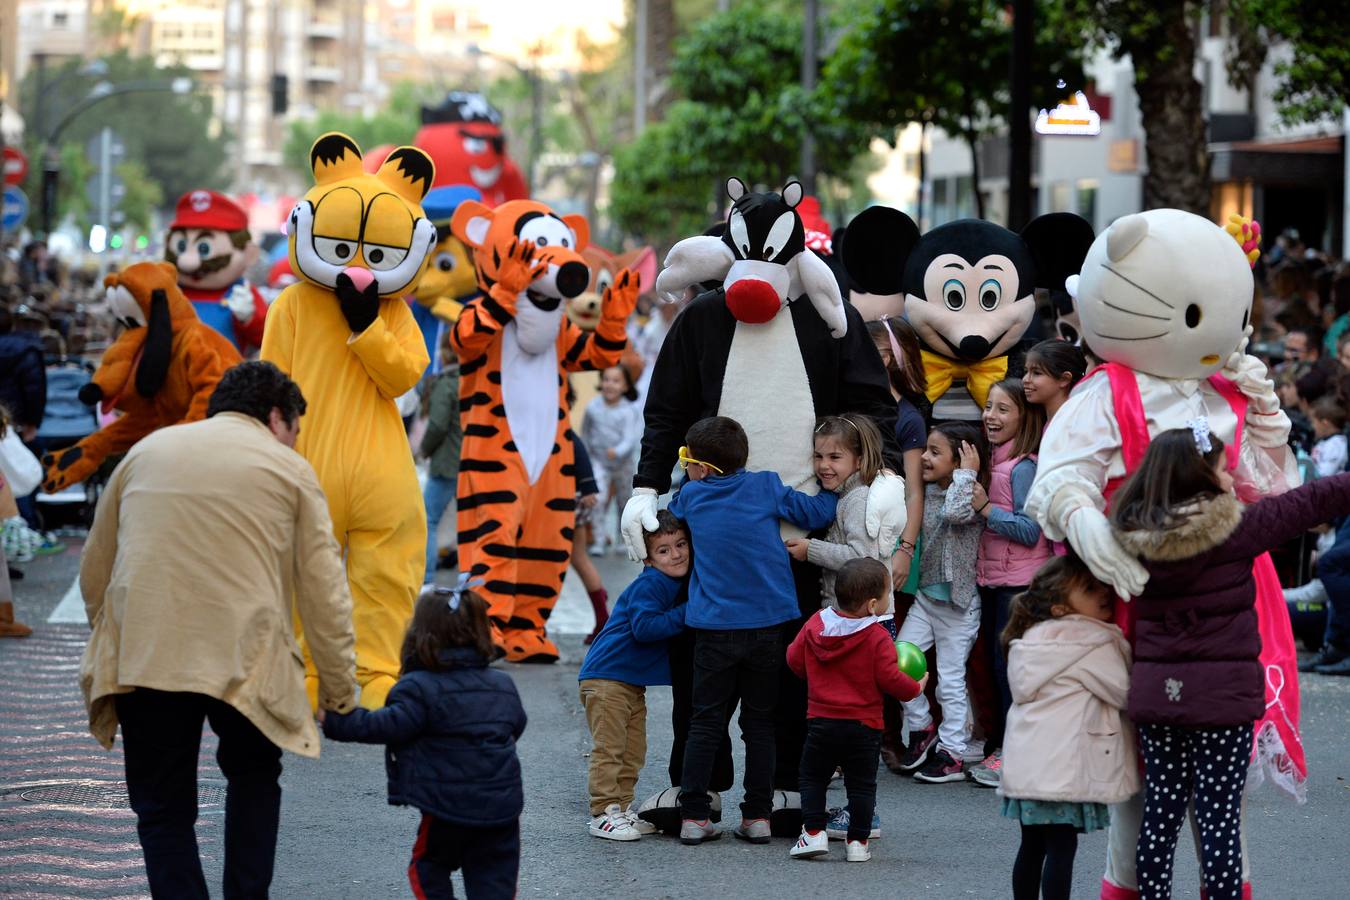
(1068, 749)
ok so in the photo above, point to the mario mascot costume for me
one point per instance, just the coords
(517, 490)
(210, 244)
(358, 243)
(161, 370)
(1165, 297)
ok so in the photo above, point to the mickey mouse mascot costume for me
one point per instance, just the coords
(773, 347)
(210, 244)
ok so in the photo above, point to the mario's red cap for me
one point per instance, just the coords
(209, 209)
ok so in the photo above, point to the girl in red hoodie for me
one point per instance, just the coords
(848, 661)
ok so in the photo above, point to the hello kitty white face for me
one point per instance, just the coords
(1165, 292)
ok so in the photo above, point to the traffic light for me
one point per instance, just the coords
(278, 95)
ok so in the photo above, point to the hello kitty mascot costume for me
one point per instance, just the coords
(1165, 299)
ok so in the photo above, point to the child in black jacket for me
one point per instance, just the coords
(451, 726)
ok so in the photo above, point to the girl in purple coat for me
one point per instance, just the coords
(1197, 685)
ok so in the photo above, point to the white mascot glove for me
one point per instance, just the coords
(1249, 374)
(639, 516)
(886, 511)
(239, 300)
(1090, 535)
(692, 260)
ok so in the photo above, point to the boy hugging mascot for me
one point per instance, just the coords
(1165, 297)
(210, 244)
(774, 347)
(517, 486)
(358, 243)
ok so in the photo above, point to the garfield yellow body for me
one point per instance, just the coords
(358, 242)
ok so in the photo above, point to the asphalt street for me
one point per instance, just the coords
(64, 831)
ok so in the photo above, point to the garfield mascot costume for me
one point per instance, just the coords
(517, 486)
(358, 243)
(161, 370)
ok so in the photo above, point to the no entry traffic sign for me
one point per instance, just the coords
(15, 209)
(15, 165)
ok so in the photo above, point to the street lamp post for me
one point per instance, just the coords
(51, 155)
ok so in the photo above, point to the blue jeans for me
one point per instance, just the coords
(437, 496)
(1333, 567)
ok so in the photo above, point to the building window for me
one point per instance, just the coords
(940, 211)
(1087, 200)
(965, 197)
(60, 19)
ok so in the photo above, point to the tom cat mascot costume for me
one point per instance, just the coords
(517, 491)
(1165, 299)
(969, 289)
(161, 370)
(358, 243)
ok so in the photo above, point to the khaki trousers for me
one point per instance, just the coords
(617, 715)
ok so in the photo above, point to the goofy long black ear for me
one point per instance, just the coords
(1058, 243)
(153, 368)
(879, 242)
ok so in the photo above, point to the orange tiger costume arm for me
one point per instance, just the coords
(483, 319)
(584, 352)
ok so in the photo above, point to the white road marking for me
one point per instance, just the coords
(71, 607)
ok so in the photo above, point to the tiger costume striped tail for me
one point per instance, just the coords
(517, 493)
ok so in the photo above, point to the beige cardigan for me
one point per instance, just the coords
(204, 534)
(1067, 737)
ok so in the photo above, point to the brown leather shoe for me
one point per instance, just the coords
(9, 627)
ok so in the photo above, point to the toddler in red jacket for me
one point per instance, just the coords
(848, 661)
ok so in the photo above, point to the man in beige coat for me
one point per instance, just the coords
(204, 535)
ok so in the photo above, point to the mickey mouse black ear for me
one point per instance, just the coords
(735, 188)
(792, 193)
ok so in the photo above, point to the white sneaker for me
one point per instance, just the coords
(614, 825)
(809, 846)
(858, 852)
(642, 826)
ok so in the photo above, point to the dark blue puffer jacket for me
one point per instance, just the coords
(451, 739)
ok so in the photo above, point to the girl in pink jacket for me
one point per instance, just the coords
(1068, 749)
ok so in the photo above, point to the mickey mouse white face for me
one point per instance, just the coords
(1165, 292)
(977, 302)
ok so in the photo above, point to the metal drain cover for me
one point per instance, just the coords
(103, 794)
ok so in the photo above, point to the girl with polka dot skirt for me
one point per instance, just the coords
(1197, 685)
(1068, 749)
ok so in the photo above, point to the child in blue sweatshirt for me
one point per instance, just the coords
(740, 592)
(629, 654)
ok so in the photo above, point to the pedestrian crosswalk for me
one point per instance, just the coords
(65, 827)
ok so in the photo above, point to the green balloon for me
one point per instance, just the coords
(910, 659)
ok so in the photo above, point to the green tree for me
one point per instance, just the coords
(171, 135)
(141, 195)
(943, 63)
(396, 124)
(741, 112)
(1161, 41)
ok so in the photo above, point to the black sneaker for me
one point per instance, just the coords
(1337, 668)
(942, 767)
(920, 742)
(1327, 656)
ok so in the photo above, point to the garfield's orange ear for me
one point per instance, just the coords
(471, 222)
(334, 157)
(582, 230)
(409, 171)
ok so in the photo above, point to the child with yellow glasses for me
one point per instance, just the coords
(740, 592)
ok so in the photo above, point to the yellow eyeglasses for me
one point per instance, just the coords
(686, 459)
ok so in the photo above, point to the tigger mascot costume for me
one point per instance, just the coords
(517, 491)
(161, 370)
(358, 243)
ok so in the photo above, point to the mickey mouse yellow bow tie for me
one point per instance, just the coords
(980, 376)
